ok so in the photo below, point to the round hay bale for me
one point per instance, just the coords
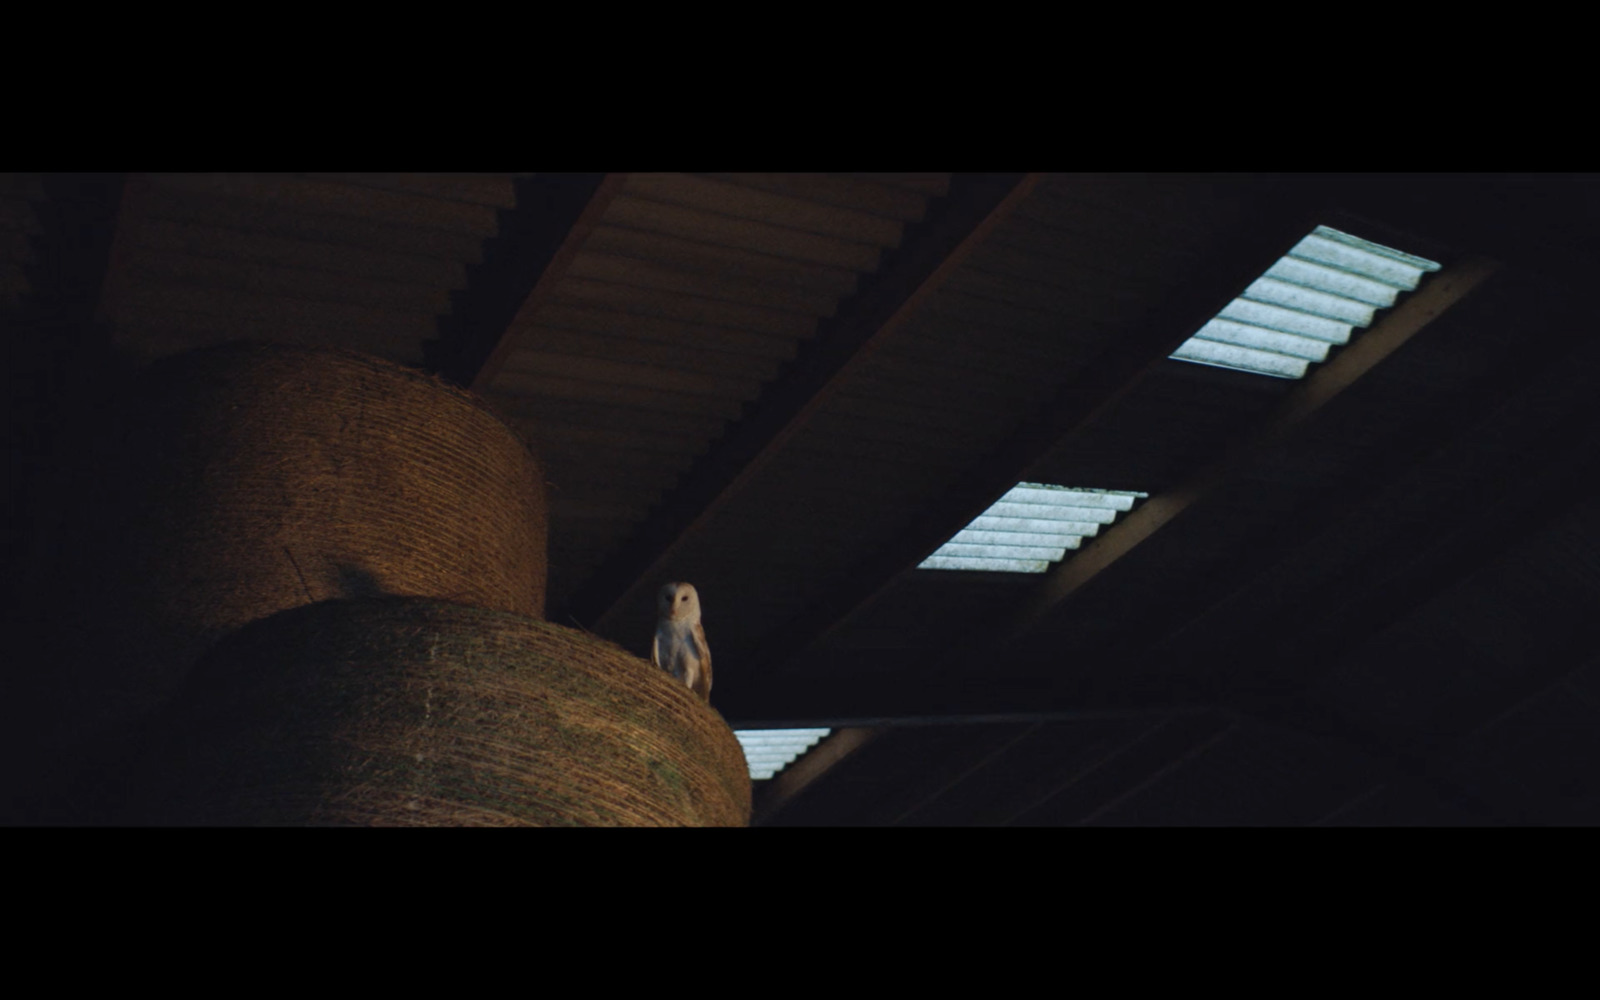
(408, 712)
(245, 479)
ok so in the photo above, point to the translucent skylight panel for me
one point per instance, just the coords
(1270, 317)
(1045, 512)
(768, 751)
(1359, 256)
(1328, 305)
(1032, 526)
(1247, 335)
(1334, 281)
(1209, 352)
(1318, 294)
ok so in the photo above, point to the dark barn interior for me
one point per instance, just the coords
(1366, 596)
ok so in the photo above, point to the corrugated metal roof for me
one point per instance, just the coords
(945, 389)
(1030, 527)
(362, 261)
(685, 299)
(769, 751)
(1315, 297)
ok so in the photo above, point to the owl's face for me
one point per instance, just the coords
(679, 602)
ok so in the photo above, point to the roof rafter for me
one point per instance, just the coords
(854, 717)
(805, 772)
(1406, 762)
(929, 251)
(1569, 461)
(1544, 473)
(1364, 353)
(1283, 219)
(1563, 461)
(938, 776)
(533, 247)
(1360, 496)
(1537, 223)
(80, 216)
(124, 236)
(879, 725)
(1565, 472)
(1453, 549)
(1079, 794)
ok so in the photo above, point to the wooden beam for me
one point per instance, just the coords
(1540, 419)
(1324, 384)
(1421, 759)
(1436, 754)
(805, 772)
(79, 217)
(1542, 484)
(906, 687)
(928, 253)
(1414, 766)
(1552, 467)
(1284, 217)
(533, 247)
(1350, 803)
(891, 682)
(872, 686)
(1536, 222)
(905, 810)
(1053, 759)
(1534, 688)
(1202, 620)
(1078, 793)
(1224, 730)
(124, 240)
(1019, 714)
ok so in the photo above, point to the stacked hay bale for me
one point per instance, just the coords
(410, 712)
(250, 479)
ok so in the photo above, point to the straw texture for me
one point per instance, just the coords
(250, 478)
(407, 712)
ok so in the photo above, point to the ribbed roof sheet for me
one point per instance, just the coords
(1030, 527)
(769, 751)
(1328, 286)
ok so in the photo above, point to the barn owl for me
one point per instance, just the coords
(680, 643)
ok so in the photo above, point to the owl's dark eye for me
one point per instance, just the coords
(685, 597)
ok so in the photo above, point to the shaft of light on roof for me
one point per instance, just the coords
(1330, 285)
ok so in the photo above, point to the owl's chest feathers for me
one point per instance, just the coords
(679, 651)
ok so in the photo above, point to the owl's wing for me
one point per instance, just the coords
(655, 648)
(702, 685)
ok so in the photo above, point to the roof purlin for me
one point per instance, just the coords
(928, 252)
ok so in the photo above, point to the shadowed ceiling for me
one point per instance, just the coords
(1362, 597)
